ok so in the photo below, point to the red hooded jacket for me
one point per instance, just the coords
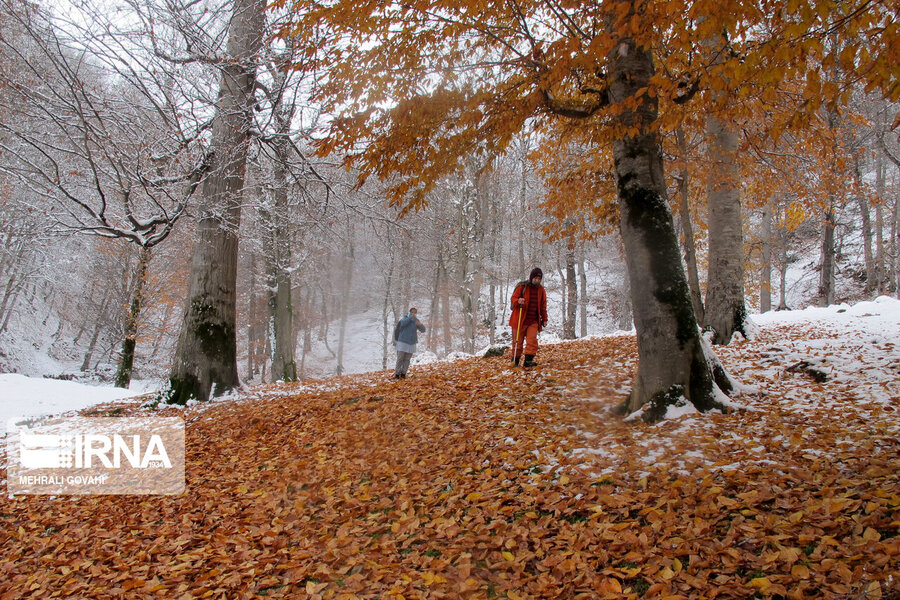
(524, 290)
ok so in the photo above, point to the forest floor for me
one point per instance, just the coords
(471, 479)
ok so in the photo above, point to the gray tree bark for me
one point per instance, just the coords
(496, 230)
(16, 280)
(826, 273)
(895, 244)
(583, 300)
(572, 291)
(281, 312)
(126, 360)
(564, 297)
(206, 355)
(306, 324)
(879, 224)
(724, 309)
(523, 194)
(782, 289)
(405, 267)
(387, 329)
(348, 262)
(765, 267)
(86, 363)
(253, 335)
(781, 256)
(687, 229)
(893, 269)
(468, 265)
(445, 306)
(866, 218)
(431, 338)
(672, 362)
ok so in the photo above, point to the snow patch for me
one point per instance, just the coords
(22, 396)
(681, 408)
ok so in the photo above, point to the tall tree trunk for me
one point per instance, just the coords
(284, 366)
(431, 339)
(281, 312)
(126, 361)
(895, 243)
(86, 363)
(85, 318)
(98, 320)
(672, 362)
(307, 331)
(465, 261)
(445, 307)
(765, 267)
(826, 274)
(624, 312)
(572, 290)
(492, 313)
(81, 329)
(206, 356)
(564, 297)
(523, 196)
(781, 253)
(868, 255)
(252, 336)
(583, 301)
(405, 269)
(782, 288)
(866, 218)
(9, 301)
(496, 231)
(387, 330)
(894, 267)
(724, 309)
(348, 260)
(879, 224)
(13, 285)
(479, 230)
(687, 229)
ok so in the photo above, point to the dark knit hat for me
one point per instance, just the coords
(536, 272)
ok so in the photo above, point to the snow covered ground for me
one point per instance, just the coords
(830, 372)
(22, 396)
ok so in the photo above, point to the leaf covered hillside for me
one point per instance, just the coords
(471, 479)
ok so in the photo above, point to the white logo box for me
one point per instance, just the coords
(95, 455)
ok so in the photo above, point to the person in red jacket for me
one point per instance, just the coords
(529, 307)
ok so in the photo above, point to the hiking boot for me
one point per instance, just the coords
(529, 361)
(518, 358)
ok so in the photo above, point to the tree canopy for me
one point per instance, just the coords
(416, 86)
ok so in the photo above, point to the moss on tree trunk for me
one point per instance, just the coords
(672, 362)
(206, 356)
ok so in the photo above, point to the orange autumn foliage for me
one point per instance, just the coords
(414, 88)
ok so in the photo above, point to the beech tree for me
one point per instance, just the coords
(432, 128)
(206, 356)
(418, 88)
